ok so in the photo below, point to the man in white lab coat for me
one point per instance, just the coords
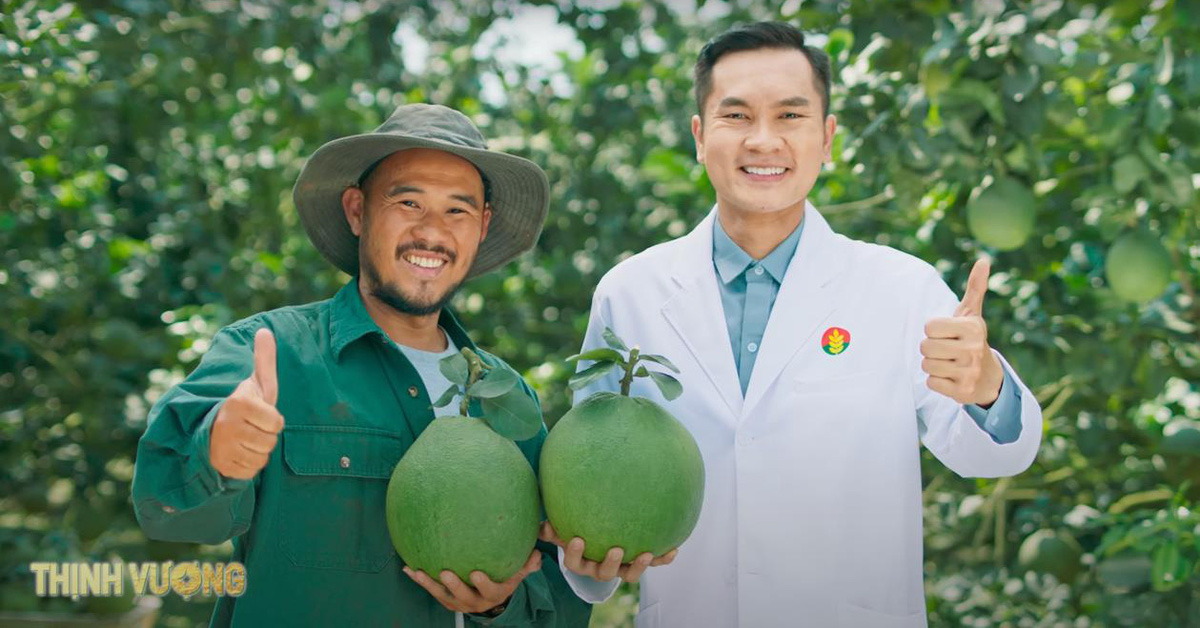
(812, 367)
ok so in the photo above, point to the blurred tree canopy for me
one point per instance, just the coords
(149, 151)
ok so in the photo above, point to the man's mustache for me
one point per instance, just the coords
(421, 246)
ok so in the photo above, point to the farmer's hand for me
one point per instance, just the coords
(958, 360)
(248, 425)
(612, 567)
(484, 596)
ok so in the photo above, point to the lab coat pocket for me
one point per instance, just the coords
(840, 398)
(332, 512)
(854, 616)
(648, 617)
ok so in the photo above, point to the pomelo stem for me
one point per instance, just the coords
(474, 372)
(628, 379)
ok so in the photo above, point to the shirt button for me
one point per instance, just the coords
(345, 462)
(758, 270)
(752, 347)
(169, 510)
(413, 392)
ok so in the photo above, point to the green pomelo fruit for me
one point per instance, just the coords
(1048, 551)
(1002, 215)
(622, 472)
(1138, 267)
(463, 498)
(1181, 436)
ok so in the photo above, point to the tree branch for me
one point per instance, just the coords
(871, 201)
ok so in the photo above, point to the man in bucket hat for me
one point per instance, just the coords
(285, 435)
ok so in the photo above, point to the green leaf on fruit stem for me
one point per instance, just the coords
(660, 359)
(447, 396)
(598, 354)
(497, 382)
(590, 374)
(670, 387)
(513, 415)
(455, 368)
(613, 341)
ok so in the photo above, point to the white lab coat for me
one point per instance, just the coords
(812, 501)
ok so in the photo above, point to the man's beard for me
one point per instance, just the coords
(392, 296)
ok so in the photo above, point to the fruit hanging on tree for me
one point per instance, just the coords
(1002, 215)
(1138, 267)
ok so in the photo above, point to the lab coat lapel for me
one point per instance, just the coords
(805, 301)
(695, 312)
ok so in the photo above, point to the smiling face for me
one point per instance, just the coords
(762, 136)
(420, 219)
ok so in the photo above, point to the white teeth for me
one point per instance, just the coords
(425, 262)
(763, 171)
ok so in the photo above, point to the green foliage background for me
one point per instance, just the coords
(149, 150)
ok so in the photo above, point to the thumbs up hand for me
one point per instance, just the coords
(958, 360)
(248, 425)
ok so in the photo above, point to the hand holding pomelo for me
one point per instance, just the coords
(620, 471)
(613, 565)
(477, 595)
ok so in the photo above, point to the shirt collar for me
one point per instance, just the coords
(349, 321)
(731, 261)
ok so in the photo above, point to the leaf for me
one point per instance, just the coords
(1127, 571)
(447, 396)
(513, 415)
(668, 385)
(598, 354)
(665, 165)
(660, 359)
(1159, 110)
(497, 382)
(1128, 171)
(982, 93)
(613, 341)
(641, 372)
(455, 368)
(1169, 568)
(590, 374)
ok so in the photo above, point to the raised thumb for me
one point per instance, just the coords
(977, 285)
(264, 365)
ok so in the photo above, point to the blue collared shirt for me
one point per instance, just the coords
(748, 290)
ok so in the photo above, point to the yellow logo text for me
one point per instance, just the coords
(110, 579)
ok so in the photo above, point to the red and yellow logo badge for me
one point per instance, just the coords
(835, 340)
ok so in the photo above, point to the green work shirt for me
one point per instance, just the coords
(310, 527)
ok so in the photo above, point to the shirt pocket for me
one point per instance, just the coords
(332, 514)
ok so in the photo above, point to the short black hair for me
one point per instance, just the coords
(754, 37)
(366, 175)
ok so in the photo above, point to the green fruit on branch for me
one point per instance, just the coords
(1052, 552)
(1138, 267)
(1002, 215)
